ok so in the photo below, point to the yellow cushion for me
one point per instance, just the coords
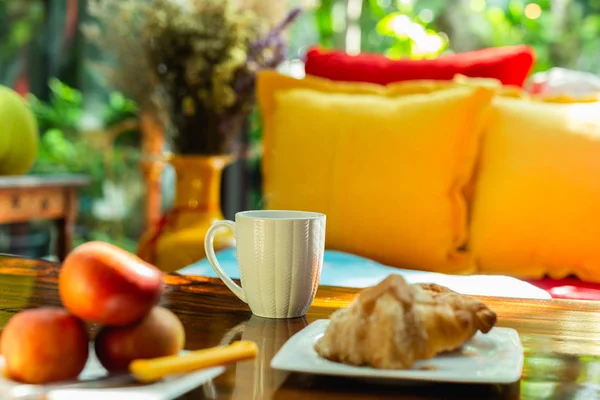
(537, 203)
(386, 167)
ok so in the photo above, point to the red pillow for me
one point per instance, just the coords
(510, 65)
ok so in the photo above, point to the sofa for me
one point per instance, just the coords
(464, 174)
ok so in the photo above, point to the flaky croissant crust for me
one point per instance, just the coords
(394, 324)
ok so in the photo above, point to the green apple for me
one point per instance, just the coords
(19, 136)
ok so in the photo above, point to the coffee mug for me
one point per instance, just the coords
(280, 256)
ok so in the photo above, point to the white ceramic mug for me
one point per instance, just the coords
(280, 256)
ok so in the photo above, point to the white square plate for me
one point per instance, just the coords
(496, 357)
(166, 389)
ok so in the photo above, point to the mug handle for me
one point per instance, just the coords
(209, 248)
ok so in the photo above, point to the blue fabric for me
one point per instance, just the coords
(340, 269)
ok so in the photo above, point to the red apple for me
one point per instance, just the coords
(159, 334)
(102, 283)
(44, 345)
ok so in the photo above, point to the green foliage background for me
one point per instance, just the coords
(66, 89)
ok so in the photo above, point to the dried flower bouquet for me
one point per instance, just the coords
(197, 59)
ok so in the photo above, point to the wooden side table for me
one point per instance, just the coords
(27, 198)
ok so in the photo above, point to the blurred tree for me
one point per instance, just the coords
(20, 21)
(559, 31)
(109, 156)
(413, 30)
(397, 29)
(40, 41)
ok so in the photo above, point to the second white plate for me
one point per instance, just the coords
(495, 357)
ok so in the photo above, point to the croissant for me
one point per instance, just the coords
(394, 324)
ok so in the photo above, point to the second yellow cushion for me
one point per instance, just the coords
(536, 208)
